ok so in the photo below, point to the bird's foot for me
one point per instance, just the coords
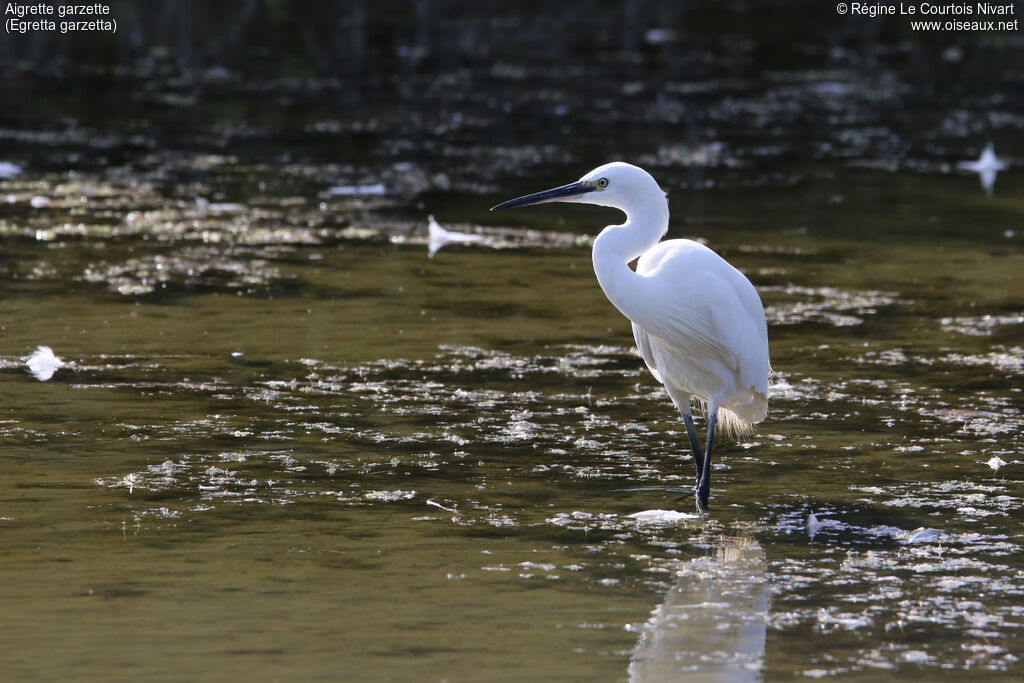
(702, 493)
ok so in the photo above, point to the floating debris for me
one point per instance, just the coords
(42, 363)
(660, 36)
(995, 462)
(376, 189)
(814, 525)
(233, 268)
(8, 170)
(384, 496)
(206, 206)
(442, 507)
(439, 237)
(987, 166)
(661, 516)
(980, 326)
(921, 535)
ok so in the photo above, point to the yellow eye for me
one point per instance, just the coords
(602, 183)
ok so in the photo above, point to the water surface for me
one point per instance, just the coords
(287, 444)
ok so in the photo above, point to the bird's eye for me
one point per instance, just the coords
(602, 183)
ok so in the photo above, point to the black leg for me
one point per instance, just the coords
(704, 484)
(698, 452)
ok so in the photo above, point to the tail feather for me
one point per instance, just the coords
(734, 426)
(730, 423)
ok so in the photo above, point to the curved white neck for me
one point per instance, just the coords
(618, 245)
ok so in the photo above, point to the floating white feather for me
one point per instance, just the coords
(661, 516)
(987, 166)
(440, 237)
(43, 362)
(995, 462)
(9, 170)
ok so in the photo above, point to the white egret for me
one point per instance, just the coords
(698, 322)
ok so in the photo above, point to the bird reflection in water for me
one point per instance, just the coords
(712, 624)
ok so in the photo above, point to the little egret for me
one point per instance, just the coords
(697, 321)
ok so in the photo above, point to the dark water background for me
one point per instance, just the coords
(286, 444)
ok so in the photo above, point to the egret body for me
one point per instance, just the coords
(697, 321)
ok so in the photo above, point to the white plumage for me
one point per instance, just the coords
(698, 322)
(710, 343)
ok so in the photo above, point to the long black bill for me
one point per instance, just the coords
(553, 195)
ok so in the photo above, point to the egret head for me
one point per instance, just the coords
(618, 185)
